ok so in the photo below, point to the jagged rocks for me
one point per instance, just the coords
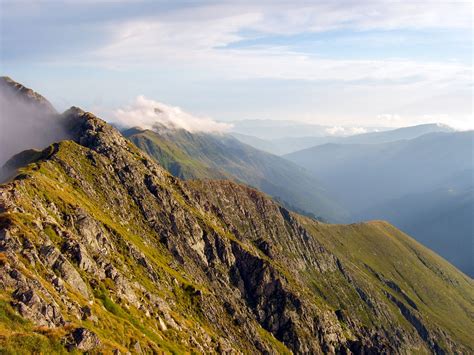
(7, 241)
(31, 306)
(82, 339)
(86, 314)
(91, 233)
(53, 257)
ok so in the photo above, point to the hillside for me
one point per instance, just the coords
(103, 250)
(441, 219)
(170, 154)
(210, 156)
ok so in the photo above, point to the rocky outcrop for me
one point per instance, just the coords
(82, 339)
(31, 306)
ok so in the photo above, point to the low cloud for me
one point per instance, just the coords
(149, 114)
(26, 122)
(345, 131)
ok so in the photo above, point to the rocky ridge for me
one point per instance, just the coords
(101, 249)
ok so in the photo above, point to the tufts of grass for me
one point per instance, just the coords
(19, 336)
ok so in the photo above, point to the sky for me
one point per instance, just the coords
(355, 63)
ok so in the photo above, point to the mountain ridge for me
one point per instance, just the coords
(204, 155)
(102, 250)
(410, 154)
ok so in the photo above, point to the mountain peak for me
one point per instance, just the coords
(28, 120)
(9, 86)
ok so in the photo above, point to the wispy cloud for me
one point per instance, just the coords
(196, 39)
(214, 44)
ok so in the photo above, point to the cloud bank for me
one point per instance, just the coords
(26, 123)
(149, 114)
(346, 131)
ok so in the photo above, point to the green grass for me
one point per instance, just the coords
(131, 323)
(173, 158)
(27, 343)
(51, 233)
(102, 294)
(380, 247)
(19, 336)
(442, 293)
(275, 344)
(9, 317)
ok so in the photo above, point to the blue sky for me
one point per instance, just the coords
(378, 63)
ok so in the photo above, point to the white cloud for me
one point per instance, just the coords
(345, 131)
(148, 114)
(194, 40)
(185, 48)
(398, 120)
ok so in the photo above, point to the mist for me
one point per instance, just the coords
(147, 114)
(27, 121)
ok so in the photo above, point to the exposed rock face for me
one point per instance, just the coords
(205, 156)
(34, 308)
(97, 236)
(82, 339)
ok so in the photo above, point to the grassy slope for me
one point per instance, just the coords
(18, 336)
(423, 186)
(438, 288)
(118, 327)
(174, 159)
(47, 181)
(440, 291)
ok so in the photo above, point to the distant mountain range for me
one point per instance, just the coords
(422, 185)
(219, 156)
(288, 144)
